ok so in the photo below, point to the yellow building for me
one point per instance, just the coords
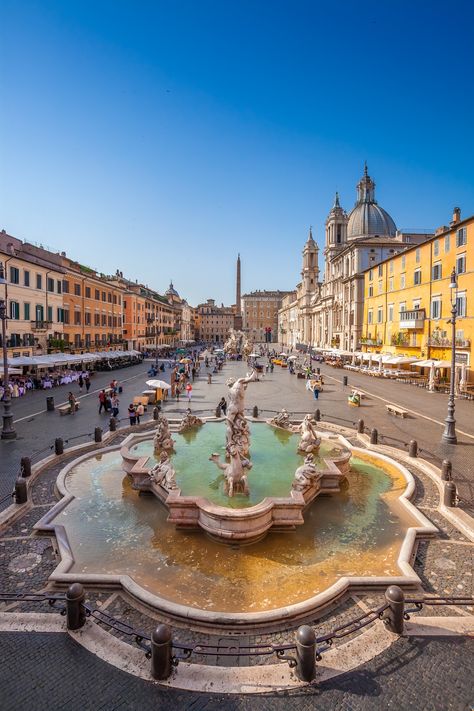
(407, 302)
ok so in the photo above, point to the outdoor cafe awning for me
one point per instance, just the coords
(53, 359)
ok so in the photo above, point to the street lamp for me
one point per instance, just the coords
(449, 434)
(8, 431)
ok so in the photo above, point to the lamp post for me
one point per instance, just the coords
(449, 434)
(8, 431)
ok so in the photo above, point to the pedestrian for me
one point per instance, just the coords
(177, 392)
(193, 373)
(87, 381)
(139, 411)
(115, 406)
(81, 382)
(316, 392)
(102, 398)
(132, 414)
(223, 405)
(72, 403)
(209, 378)
(189, 392)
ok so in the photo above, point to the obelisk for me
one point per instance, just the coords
(238, 307)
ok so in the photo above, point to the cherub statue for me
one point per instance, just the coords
(309, 441)
(305, 474)
(162, 438)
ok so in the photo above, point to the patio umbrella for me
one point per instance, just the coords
(292, 357)
(158, 384)
(370, 359)
(380, 364)
(253, 355)
(283, 354)
(462, 381)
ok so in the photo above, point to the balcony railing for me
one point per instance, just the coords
(438, 342)
(401, 339)
(41, 325)
(415, 318)
(371, 341)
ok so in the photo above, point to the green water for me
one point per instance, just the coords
(272, 452)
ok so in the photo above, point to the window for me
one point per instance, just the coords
(402, 281)
(50, 284)
(404, 259)
(14, 275)
(87, 318)
(60, 315)
(50, 313)
(370, 316)
(26, 312)
(104, 320)
(26, 278)
(417, 276)
(371, 275)
(461, 237)
(39, 312)
(65, 286)
(371, 290)
(416, 304)
(60, 286)
(391, 268)
(417, 255)
(77, 318)
(97, 295)
(436, 247)
(380, 286)
(66, 316)
(403, 306)
(390, 284)
(380, 270)
(461, 264)
(96, 319)
(88, 292)
(436, 308)
(77, 289)
(14, 310)
(104, 296)
(390, 313)
(39, 281)
(109, 297)
(379, 314)
(447, 243)
(461, 304)
(437, 272)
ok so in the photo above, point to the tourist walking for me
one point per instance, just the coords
(139, 411)
(132, 414)
(87, 382)
(209, 378)
(80, 381)
(102, 403)
(115, 406)
(223, 405)
(189, 392)
(72, 403)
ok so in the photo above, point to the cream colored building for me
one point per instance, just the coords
(34, 296)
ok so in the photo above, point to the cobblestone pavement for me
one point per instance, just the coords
(48, 672)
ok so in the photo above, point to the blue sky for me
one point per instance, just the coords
(161, 138)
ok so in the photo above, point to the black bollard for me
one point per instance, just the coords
(25, 466)
(161, 647)
(98, 434)
(413, 448)
(449, 497)
(156, 413)
(305, 653)
(374, 436)
(446, 470)
(344, 379)
(360, 426)
(218, 412)
(21, 491)
(75, 610)
(317, 415)
(58, 446)
(255, 411)
(112, 424)
(50, 404)
(394, 613)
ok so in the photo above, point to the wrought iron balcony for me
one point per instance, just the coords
(41, 325)
(439, 342)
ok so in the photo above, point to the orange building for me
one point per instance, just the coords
(93, 309)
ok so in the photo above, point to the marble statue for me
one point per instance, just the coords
(235, 471)
(310, 441)
(237, 427)
(163, 473)
(247, 347)
(189, 421)
(305, 474)
(162, 438)
(281, 420)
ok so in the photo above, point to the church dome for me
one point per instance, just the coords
(367, 218)
(171, 291)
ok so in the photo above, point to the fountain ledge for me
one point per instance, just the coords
(243, 525)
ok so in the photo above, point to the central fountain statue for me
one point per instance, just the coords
(237, 438)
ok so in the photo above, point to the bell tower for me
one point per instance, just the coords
(310, 270)
(336, 232)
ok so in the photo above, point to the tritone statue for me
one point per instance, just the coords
(189, 422)
(162, 438)
(281, 420)
(310, 441)
(235, 471)
(163, 473)
(305, 474)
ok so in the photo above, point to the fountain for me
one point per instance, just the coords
(268, 498)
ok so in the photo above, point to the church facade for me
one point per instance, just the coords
(329, 313)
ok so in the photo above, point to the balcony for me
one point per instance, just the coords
(412, 319)
(40, 326)
(439, 342)
(401, 339)
(371, 341)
